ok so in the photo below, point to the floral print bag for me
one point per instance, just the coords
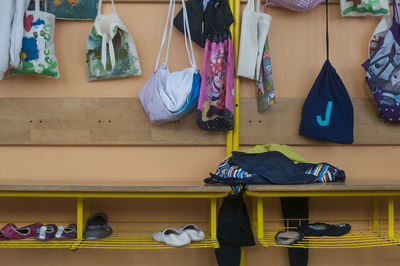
(110, 49)
(37, 53)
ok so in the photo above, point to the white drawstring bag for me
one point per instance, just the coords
(110, 49)
(254, 31)
(169, 96)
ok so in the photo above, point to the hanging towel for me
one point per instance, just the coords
(6, 16)
(17, 32)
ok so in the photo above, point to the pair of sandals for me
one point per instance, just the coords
(50, 231)
(315, 229)
(181, 236)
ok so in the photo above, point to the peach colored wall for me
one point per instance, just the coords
(297, 47)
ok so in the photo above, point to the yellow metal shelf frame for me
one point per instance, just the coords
(365, 233)
(133, 234)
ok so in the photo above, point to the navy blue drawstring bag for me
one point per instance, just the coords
(328, 111)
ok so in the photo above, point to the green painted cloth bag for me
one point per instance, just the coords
(357, 8)
(37, 53)
(73, 9)
(110, 50)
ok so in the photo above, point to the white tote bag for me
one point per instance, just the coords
(254, 31)
(110, 49)
(37, 52)
(165, 94)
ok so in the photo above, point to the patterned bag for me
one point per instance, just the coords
(120, 58)
(73, 9)
(295, 5)
(383, 72)
(265, 93)
(216, 99)
(357, 8)
(380, 31)
(37, 53)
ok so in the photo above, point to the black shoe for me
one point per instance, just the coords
(97, 227)
(322, 229)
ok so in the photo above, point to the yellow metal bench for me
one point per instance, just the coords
(133, 234)
(372, 232)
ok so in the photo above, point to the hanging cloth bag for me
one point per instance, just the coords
(217, 16)
(328, 111)
(380, 31)
(265, 92)
(254, 31)
(195, 12)
(295, 5)
(73, 9)
(383, 72)
(169, 96)
(357, 8)
(216, 99)
(37, 52)
(110, 49)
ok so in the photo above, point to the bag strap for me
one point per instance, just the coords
(101, 4)
(37, 5)
(105, 41)
(171, 12)
(264, 6)
(327, 30)
(186, 29)
(395, 12)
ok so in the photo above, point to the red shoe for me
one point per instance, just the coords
(10, 231)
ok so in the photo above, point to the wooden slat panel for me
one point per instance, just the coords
(123, 122)
(378, 185)
(141, 188)
(93, 122)
(281, 124)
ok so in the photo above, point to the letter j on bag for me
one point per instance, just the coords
(325, 122)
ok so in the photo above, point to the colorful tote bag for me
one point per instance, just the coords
(216, 99)
(37, 53)
(169, 96)
(383, 72)
(357, 8)
(73, 9)
(265, 93)
(110, 49)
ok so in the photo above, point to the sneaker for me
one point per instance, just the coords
(172, 237)
(47, 232)
(12, 232)
(68, 232)
(194, 233)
